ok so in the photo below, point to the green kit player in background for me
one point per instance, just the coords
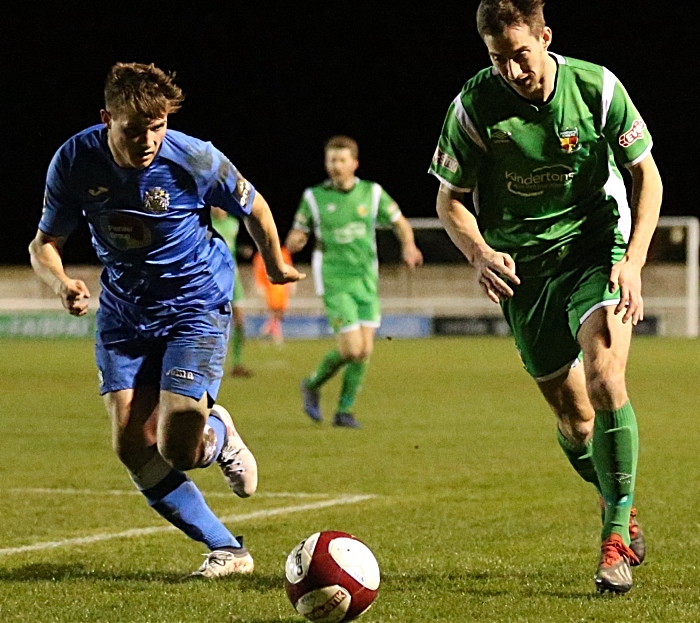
(537, 139)
(343, 213)
(227, 227)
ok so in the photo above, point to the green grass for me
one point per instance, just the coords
(477, 514)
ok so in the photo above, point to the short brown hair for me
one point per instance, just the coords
(493, 16)
(145, 89)
(343, 142)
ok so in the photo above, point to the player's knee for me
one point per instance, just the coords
(356, 355)
(129, 450)
(363, 356)
(238, 319)
(177, 445)
(349, 353)
(122, 451)
(607, 391)
(176, 456)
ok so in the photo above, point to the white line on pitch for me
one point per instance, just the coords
(108, 492)
(136, 532)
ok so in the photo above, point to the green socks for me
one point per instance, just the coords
(330, 364)
(615, 452)
(352, 381)
(237, 345)
(581, 459)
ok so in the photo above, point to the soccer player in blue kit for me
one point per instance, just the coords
(164, 314)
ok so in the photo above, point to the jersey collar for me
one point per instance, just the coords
(329, 184)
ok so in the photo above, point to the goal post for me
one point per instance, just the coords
(681, 232)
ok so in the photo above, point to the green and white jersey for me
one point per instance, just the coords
(545, 179)
(344, 224)
(228, 228)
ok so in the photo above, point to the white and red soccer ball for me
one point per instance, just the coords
(331, 577)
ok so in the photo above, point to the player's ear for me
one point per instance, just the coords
(106, 118)
(546, 37)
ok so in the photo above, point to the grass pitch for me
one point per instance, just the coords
(475, 514)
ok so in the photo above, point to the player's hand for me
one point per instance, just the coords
(412, 256)
(74, 296)
(287, 274)
(496, 270)
(627, 275)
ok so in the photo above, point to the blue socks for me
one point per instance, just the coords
(178, 500)
(184, 507)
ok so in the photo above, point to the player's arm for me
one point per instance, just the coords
(462, 228)
(410, 252)
(296, 240)
(263, 231)
(45, 255)
(647, 191)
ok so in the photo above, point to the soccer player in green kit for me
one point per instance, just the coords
(227, 227)
(537, 140)
(343, 213)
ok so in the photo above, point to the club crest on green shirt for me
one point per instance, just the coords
(568, 139)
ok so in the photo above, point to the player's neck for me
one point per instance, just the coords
(344, 185)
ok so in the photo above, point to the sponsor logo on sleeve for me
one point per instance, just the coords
(442, 159)
(242, 192)
(634, 133)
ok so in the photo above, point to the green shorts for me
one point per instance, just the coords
(546, 313)
(351, 302)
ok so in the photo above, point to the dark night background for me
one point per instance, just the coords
(269, 84)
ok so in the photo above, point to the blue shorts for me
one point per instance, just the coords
(183, 353)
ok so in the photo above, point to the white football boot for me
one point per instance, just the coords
(235, 460)
(220, 563)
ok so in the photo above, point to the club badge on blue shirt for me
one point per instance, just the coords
(156, 200)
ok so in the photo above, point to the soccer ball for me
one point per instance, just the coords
(331, 577)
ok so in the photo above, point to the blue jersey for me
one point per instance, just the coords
(150, 227)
